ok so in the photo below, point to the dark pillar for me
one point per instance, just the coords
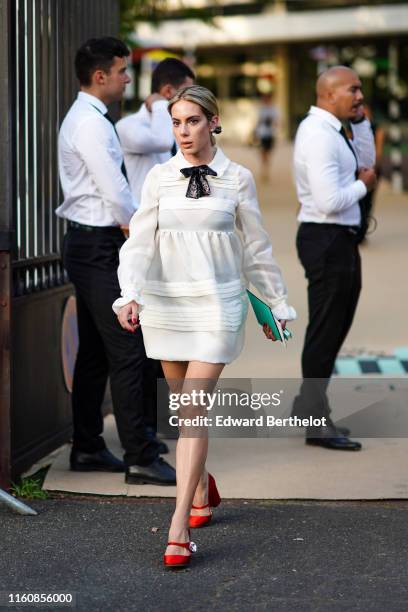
(5, 241)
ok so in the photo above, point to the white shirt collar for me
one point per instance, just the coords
(219, 162)
(325, 116)
(93, 101)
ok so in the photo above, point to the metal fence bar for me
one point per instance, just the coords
(42, 158)
(36, 163)
(16, 504)
(50, 103)
(28, 140)
(20, 129)
(17, 125)
(56, 81)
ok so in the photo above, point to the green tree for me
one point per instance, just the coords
(132, 11)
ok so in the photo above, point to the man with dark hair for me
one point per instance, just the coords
(170, 75)
(97, 201)
(98, 53)
(147, 136)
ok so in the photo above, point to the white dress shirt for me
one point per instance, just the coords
(90, 158)
(146, 139)
(325, 170)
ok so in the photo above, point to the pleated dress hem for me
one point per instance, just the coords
(205, 346)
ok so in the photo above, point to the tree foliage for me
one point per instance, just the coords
(133, 11)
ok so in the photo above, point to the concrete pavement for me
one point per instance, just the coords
(264, 468)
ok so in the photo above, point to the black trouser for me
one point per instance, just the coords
(152, 372)
(105, 349)
(330, 257)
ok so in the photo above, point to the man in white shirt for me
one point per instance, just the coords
(97, 201)
(330, 183)
(147, 136)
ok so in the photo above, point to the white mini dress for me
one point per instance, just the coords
(187, 263)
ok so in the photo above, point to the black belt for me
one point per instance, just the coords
(353, 229)
(93, 228)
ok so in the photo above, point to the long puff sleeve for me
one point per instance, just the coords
(260, 267)
(137, 252)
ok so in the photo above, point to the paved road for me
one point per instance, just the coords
(281, 556)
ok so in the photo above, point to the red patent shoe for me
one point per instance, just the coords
(178, 561)
(214, 500)
(197, 520)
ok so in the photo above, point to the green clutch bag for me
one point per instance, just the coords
(264, 315)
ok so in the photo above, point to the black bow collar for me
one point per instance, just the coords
(198, 186)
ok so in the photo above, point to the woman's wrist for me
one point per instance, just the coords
(127, 299)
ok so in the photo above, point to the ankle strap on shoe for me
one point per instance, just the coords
(200, 507)
(191, 546)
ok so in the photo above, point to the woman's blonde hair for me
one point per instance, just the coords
(204, 98)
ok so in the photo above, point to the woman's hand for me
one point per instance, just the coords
(268, 332)
(128, 317)
(125, 230)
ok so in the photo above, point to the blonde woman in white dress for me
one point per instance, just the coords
(195, 244)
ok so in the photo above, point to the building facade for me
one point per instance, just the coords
(254, 47)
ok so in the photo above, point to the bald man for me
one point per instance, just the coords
(329, 185)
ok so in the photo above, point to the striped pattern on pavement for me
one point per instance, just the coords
(386, 365)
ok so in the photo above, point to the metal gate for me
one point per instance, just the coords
(38, 40)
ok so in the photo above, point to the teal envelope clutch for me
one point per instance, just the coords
(264, 315)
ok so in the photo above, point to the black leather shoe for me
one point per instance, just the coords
(158, 472)
(337, 443)
(101, 461)
(162, 449)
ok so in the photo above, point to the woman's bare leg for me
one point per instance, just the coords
(191, 455)
(174, 371)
